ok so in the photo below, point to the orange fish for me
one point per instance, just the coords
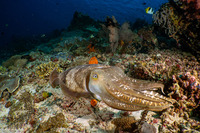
(93, 60)
(93, 102)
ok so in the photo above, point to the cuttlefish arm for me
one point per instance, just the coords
(121, 92)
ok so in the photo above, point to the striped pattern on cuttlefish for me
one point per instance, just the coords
(111, 85)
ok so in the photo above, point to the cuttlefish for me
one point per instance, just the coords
(111, 85)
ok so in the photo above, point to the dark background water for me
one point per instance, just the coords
(23, 22)
(37, 17)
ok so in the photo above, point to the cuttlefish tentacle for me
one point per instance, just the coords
(111, 85)
(129, 89)
(115, 103)
(151, 104)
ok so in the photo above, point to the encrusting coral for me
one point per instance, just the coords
(10, 84)
(52, 124)
(44, 70)
(2, 70)
(21, 111)
(126, 124)
(186, 90)
(15, 62)
(129, 124)
(180, 19)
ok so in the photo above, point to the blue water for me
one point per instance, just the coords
(37, 17)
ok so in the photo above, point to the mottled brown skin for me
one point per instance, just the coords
(110, 84)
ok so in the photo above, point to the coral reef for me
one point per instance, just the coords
(149, 39)
(180, 20)
(44, 70)
(126, 124)
(153, 66)
(38, 107)
(15, 62)
(86, 21)
(191, 8)
(129, 124)
(186, 90)
(20, 111)
(126, 36)
(52, 124)
(117, 35)
(8, 104)
(157, 65)
(123, 40)
(180, 73)
(2, 70)
(9, 84)
(114, 33)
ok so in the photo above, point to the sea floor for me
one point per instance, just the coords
(34, 106)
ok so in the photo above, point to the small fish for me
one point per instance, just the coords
(93, 102)
(149, 10)
(93, 60)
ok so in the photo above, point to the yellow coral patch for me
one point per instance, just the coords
(44, 70)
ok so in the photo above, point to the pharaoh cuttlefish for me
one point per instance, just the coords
(110, 84)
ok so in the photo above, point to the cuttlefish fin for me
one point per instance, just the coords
(54, 78)
(69, 92)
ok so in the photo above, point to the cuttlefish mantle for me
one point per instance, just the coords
(111, 85)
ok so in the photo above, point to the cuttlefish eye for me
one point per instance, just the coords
(95, 76)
